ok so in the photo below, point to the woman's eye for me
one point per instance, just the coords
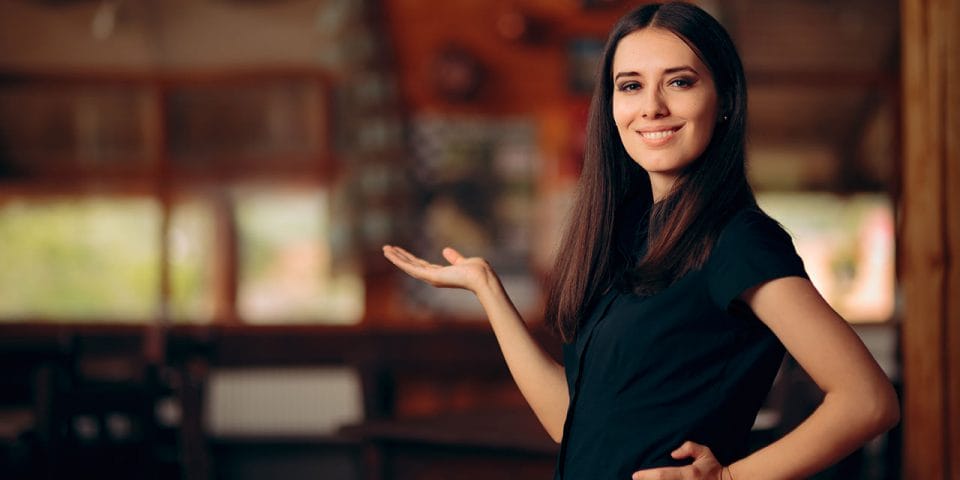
(629, 86)
(681, 82)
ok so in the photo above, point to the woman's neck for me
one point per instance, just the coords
(661, 185)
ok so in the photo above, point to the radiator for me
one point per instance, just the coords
(282, 401)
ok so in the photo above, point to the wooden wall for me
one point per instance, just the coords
(525, 76)
(930, 238)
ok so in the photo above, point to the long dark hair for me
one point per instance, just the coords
(678, 231)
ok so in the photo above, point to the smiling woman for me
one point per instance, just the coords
(664, 104)
(675, 294)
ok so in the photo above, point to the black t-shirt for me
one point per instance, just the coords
(692, 362)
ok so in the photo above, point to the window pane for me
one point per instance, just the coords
(847, 246)
(294, 263)
(192, 261)
(91, 259)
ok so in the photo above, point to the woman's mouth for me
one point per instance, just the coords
(656, 138)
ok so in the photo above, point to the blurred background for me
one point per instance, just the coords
(193, 196)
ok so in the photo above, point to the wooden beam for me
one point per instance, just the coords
(952, 178)
(930, 239)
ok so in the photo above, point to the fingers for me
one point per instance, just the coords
(461, 273)
(704, 466)
(420, 269)
(402, 255)
(667, 473)
(452, 255)
(405, 261)
(395, 255)
(689, 449)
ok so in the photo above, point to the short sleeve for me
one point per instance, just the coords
(752, 249)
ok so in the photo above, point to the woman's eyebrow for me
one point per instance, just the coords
(668, 71)
(684, 68)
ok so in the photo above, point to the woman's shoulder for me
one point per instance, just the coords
(749, 225)
(752, 248)
(752, 236)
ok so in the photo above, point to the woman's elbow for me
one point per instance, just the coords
(884, 411)
(890, 412)
(872, 408)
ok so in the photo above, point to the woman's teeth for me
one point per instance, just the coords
(658, 135)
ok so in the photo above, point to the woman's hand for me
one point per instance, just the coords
(467, 273)
(704, 467)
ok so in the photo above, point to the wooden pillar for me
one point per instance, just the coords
(930, 238)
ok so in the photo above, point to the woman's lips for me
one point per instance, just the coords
(659, 137)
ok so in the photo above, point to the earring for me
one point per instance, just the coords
(724, 118)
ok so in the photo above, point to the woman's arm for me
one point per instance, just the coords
(541, 379)
(859, 402)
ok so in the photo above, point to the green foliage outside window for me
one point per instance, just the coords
(90, 259)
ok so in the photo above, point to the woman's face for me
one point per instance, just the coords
(664, 104)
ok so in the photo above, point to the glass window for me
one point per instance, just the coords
(847, 246)
(292, 268)
(191, 239)
(89, 259)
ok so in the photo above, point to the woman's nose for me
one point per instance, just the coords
(653, 105)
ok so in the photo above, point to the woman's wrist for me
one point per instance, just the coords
(488, 285)
(728, 469)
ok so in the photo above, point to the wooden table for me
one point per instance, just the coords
(482, 445)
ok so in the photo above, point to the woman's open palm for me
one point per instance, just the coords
(467, 273)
